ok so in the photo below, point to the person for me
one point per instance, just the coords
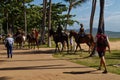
(9, 41)
(36, 33)
(18, 31)
(59, 30)
(81, 31)
(101, 49)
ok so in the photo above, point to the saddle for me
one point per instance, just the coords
(82, 35)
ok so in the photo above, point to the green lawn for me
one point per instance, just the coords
(112, 59)
(114, 39)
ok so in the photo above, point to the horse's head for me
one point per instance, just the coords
(72, 33)
(28, 36)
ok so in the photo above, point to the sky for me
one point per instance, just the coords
(83, 12)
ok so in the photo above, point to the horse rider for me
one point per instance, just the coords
(59, 30)
(35, 33)
(18, 33)
(81, 31)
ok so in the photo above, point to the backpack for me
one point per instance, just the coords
(7, 43)
(102, 41)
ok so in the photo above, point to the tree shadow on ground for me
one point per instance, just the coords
(59, 66)
(5, 78)
(50, 51)
(81, 72)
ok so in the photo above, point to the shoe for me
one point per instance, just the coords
(11, 56)
(104, 72)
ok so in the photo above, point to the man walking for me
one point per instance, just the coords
(9, 41)
(101, 43)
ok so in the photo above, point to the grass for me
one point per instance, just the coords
(114, 39)
(112, 60)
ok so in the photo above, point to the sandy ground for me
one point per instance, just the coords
(41, 65)
(113, 46)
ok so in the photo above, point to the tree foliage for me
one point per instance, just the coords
(12, 15)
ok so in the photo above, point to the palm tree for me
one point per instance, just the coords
(72, 4)
(25, 20)
(101, 18)
(49, 22)
(44, 22)
(92, 15)
(101, 21)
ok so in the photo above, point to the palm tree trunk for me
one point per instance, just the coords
(101, 22)
(44, 22)
(25, 20)
(49, 23)
(101, 18)
(69, 10)
(92, 15)
(7, 23)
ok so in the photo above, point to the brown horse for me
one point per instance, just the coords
(88, 39)
(62, 38)
(19, 40)
(32, 41)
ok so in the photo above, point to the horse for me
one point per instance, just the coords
(32, 41)
(19, 40)
(59, 38)
(88, 39)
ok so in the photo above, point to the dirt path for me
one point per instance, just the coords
(40, 65)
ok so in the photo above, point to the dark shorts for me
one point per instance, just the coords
(101, 53)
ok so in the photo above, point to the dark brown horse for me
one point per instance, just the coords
(19, 40)
(88, 39)
(62, 38)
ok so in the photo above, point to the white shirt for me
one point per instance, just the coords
(10, 40)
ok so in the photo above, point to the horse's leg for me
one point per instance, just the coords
(21, 45)
(93, 51)
(79, 47)
(34, 44)
(31, 45)
(67, 46)
(17, 45)
(28, 45)
(56, 48)
(71, 44)
(89, 47)
(63, 45)
(37, 43)
(76, 48)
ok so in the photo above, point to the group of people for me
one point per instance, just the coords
(9, 41)
(101, 49)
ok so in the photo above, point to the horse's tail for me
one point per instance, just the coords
(91, 38)
(92, 41)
